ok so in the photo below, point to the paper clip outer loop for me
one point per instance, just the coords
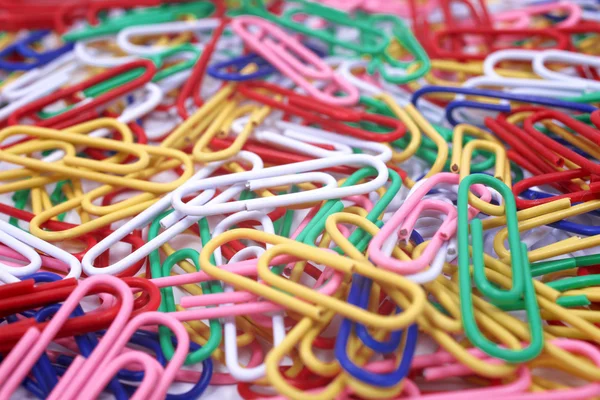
(521, 283)
(280, 56)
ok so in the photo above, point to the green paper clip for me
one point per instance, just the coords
(522, 283)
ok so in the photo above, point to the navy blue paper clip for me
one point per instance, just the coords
(33, 59)
(219, 70)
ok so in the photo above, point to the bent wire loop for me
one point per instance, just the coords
(388, 232)
(285, 53)
(522, 287)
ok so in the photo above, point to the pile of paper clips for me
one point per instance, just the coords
(342, 199)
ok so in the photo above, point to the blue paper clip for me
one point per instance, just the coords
(503, 108)
(362, 332)
(383, 380)
(384, 347)
(569, 226)
(359, 295)
(23, 48)
(218, 70)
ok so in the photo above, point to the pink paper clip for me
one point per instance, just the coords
(293, 59)
(523, 16)
(240, 300)
(433, 370)
(152, 374)
(512, 390)
(430, 363)
(402, 215)
(32, 345)
(104, 363)
(398, 8)
(591, 390)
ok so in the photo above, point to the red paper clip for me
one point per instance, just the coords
(327, 116)
(578, 196)
(58, 15)
(495, 39)
(423, 29)
(194, 82)
(26, 296)
(87, 110)
(521, 152)
(551, 148)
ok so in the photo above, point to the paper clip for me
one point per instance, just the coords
(31, 346)
(86, 109)
(283, 246)
(291, 58)
(329, 117)
(379, 41)
(24, 243)
(502, 166)
(22, 48)
(37, 80)
(589, 10)
(431, 111)
(551, 88)
(496, 36)
(230, 327)
(579, 196)
(108, 355)
(58, 15)
(525, 15)
(95, 128)
(148, 214)
(564, 154)
(308, 337)
(275, 176)
(347, 6)
(382, 380)
(29, 296)
(569, 245)
(359, 295)
(92, 169)
(124, 36)
(93, 52)
(387, 64)
(538, 100)
(436, 251)
(522, 287)
(387, 234)
(151, 15)
(542, 58)
(218, 70)
(300, 138)
(36, 16)
(459, 136)
(384, 7)
(423, 29)
(192, 87)
(576, 348)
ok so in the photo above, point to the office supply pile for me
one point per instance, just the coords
(312, 200)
